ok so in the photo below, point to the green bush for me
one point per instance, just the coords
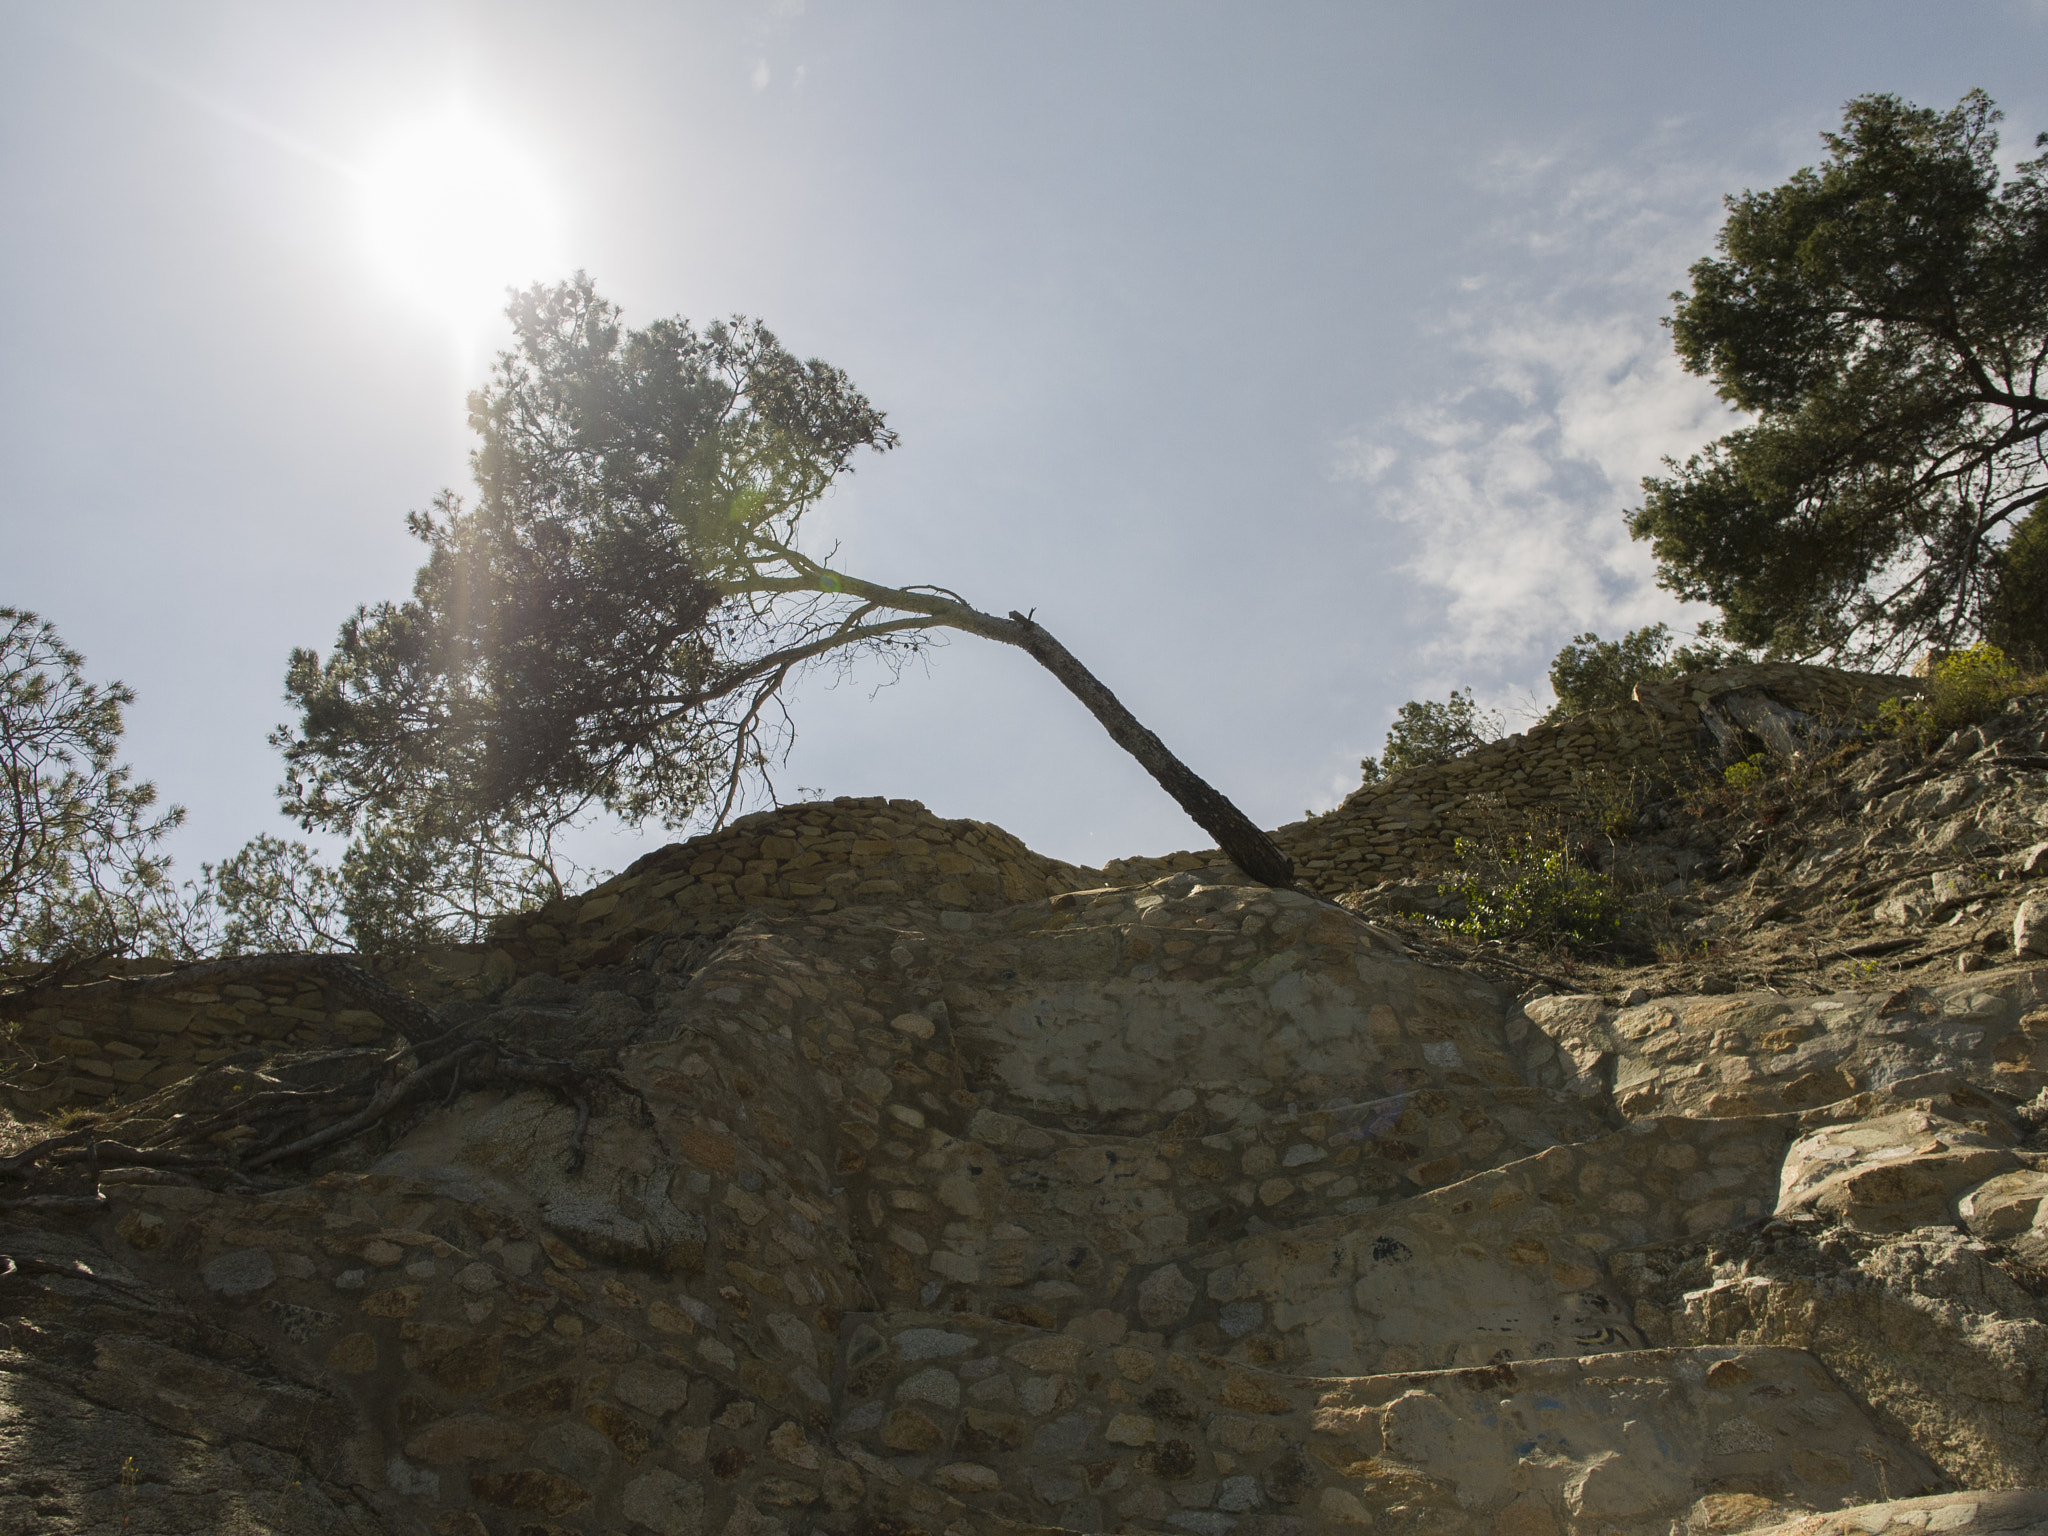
(1429, 731)
(1747, 775)
(1529, 891)
(2016, 612)
(1962, 688)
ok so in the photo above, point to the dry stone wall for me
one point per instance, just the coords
(927, 1187)
(809, 858)
(1408, 824)
(91, 1049)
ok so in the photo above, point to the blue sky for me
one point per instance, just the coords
(1289, 360)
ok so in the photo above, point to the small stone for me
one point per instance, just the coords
(784, 1493)
(2030, 929)
(1236, 1494)
(1165, 1297)
(1972, 962)
(931, 1344)
(241, 1273)
(465, 1437)
(353, 1354)
(1040, 1394)
(141, 1229)
(914, 1024)
(967, 1477)
(477, 1278)
(398, 1301)
(2035, 860)
(1129, 1429)
(1343, 1508)
(1102, 1326)
(1046, 1354)
(534, 1491)
(577, 1449)
(1067, 1433)
(1135, 1365)
(788, 1443)
(908, 1430)
(651, 1389)
(665, 1504)
(1241, 1317)
(940, 1388)
(1728, 1374)
(619, 1427)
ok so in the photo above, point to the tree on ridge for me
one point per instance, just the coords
(612, 623)
(1883, 319)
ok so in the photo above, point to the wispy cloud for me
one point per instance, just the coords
(769, 25)
(1511, 484)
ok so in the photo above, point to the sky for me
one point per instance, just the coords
(1288, 361)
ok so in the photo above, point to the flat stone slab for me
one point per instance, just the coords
(1506, 1265)
(1088, 1435)
(1759, 1053)
(1998, 1512)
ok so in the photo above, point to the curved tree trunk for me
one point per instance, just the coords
(1250, 849)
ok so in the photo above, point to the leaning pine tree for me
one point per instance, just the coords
(614, 620)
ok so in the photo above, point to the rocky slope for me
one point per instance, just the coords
(976, 1193)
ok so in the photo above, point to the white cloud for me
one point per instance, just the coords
(759, 77)
(1512, 485)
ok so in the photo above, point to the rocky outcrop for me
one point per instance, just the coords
(921, 1185)
(1410, 823)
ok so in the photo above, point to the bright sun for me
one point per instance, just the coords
(454, 214)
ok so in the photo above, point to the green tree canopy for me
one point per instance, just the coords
(1591, 673)
(2016, 615)
(82, 876)
(1883, 318)
(1433, 731)
(612, 622)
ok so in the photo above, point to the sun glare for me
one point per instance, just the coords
(454, 214)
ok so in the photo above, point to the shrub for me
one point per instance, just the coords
(1747, 775)
(1962, 688)
(1591, 673)
(1429, 731)
(1530, 891)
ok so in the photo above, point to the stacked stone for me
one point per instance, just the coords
(809, 858)
(100, 1046)
(1411, 823)
(954, 1416)
(803, 858)
(1761, 1054)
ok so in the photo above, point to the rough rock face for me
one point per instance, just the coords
(1180, 1207)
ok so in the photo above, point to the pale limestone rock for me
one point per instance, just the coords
(2030, 929)
(664, 1503)
(1891, 1173)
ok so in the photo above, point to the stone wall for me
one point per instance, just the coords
(100, 1045)
(808, 859)
(91, 1046)
(1408, 824)
(815, 859)
(902, 1205)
